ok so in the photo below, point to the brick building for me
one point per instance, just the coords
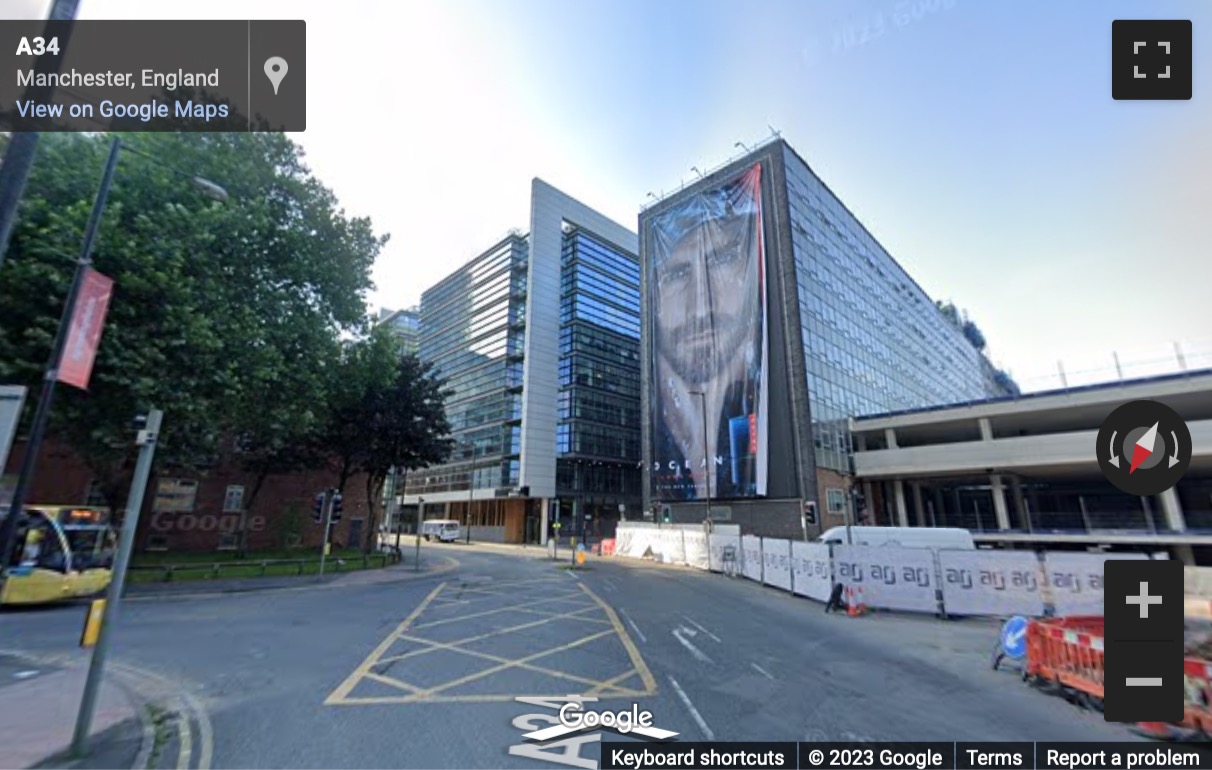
(202, 510)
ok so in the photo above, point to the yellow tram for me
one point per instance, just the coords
(62, 552)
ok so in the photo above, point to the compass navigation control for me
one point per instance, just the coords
(1144, 448)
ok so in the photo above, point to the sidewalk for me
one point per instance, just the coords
(39, 702)
(430, 565)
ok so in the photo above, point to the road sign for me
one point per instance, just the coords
(1014, 637)
(580, 547)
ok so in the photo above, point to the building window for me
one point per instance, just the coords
(175, 496)
(836, 499)
(233, 501)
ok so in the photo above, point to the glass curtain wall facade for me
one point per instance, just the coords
(472, 329)
(598, 428)
(405, 327)
(873, 340)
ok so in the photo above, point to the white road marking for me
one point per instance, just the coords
(694, 713)
(699, 627)
(695, 651)
(762, 671)
(24, 674)
(634, 627)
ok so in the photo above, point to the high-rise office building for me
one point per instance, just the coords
(537, 339)
(404, 325)
(771, 317)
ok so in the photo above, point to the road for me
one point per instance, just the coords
(423, 671)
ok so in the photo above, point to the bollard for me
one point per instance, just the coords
(92, 623)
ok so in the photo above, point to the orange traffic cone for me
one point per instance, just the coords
(856, 605)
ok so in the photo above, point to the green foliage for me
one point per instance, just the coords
(224, 315)
(387, 411)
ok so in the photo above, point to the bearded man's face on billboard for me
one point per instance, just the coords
(705, 299)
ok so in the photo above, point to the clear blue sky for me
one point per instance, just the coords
(977, 139)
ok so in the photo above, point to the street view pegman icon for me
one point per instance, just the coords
(1143, 448)
(275, 70)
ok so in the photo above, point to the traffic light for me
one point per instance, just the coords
(810, 512)
(317, 508)
(337, 504)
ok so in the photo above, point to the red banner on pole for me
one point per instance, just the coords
(76, 363)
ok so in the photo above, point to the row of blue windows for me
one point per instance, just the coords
(595, 311)
(585, 248)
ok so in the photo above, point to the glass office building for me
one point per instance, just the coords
(537, 339)
(771, 316)
(404, 326)
(598, 430)
(874, 342)
(472, 325)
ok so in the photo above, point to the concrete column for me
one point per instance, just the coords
(999, 501)
(902, 516)
(860, 442)
(543, 523)
(986, 429)
(890, 438)
(1020, 505)
(867, 490)
(919, 510)
(1172, 510)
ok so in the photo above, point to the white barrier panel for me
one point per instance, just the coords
(636, 541)
(623, 537)
(992, 582)
(776, 562)
(716, 545)
(810, 570)
(751, 557)
(891, 578)
(1075, 580)
(673, 550)
(695, 544)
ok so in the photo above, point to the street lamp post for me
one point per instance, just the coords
(8, 528)
(420, 519)
(706, 452)
(471, 486)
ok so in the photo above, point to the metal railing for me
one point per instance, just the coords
(214, 570)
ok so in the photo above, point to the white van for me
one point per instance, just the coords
(445, 530)
(903, 537)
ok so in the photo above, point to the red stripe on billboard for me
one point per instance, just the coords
(84, 335)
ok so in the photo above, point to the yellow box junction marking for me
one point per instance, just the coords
(441, 601)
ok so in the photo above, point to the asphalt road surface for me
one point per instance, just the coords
(425, 671)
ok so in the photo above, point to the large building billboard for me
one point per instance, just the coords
(707, 310)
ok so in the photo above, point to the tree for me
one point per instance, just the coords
(283, 416)
(404, 426)
(205, 293)
(973, 334)
(365, 370)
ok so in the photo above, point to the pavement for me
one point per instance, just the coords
(40, 699)
(427, 670)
